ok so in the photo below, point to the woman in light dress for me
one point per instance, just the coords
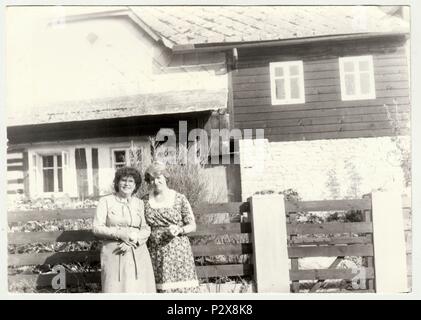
(120, 222)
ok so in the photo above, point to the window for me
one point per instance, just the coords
(48, 173)
(287, 82)
(357, 78)
(119, 157)
(52, 173)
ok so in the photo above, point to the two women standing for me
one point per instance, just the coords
(125, 223)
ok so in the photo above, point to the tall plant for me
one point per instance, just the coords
(187, 176)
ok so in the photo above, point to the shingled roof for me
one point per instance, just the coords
(190, 25)
(179, 26)
(121, 107)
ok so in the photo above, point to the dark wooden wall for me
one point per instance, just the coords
(104, 128)
(18, 163)
(324, 115)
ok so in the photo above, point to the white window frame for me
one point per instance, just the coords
(37, 177)
(358, 95)
(285, 65)
(55, 174)
(113, 162)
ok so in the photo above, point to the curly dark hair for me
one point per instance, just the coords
(127, 172)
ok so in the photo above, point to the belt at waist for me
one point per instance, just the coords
(114, 246)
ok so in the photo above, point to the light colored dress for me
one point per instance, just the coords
(172, 257)
(131, 272)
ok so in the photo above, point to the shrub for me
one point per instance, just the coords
(187, 177)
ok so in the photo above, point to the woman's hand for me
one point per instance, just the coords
(128, 235)
(174, 230)
(123, 248)
(134, 236)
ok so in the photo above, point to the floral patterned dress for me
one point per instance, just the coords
(172, 257)
(131, 272)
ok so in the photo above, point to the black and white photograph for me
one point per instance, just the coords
(208, 149)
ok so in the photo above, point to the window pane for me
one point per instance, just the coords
(48, 161)
(295, 88)
(293, 70)
(48, 175)
(365, 83)
(280, 89)
(348, 66)
(59, 161)
(60, 180)
(120, 156)
(350, 84)
(363, 65)
(279, 72)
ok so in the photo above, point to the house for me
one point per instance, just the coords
(329, 86)
(104, 82)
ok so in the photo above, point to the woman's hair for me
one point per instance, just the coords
(155, 169)
(127, 172)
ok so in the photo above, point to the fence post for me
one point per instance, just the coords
(389, 243)
(368, 262)
(270, 251)
(295, 286)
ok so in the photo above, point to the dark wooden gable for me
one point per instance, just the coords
(324, 115)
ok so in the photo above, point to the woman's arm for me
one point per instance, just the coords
(100, 228)
(144, 231)
(188, 216)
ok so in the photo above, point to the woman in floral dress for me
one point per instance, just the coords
(119, 220)
(171, 218)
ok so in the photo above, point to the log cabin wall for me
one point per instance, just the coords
(324, 115)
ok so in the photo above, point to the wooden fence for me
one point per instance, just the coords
(332, 239)
(305, 239)
(76, 278)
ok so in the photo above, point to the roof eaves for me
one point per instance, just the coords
(186, 48)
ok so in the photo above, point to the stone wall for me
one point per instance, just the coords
(323, 169)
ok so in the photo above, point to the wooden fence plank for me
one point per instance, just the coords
(221, 228)
(328, 205)
(230, 207)
(323, 274)
(330, 228)
(222, 249)
(320, 282)
(329, 240)
(224, 270)
(78, 278)
(18, 238)
(86, 213)
(73, 279)
(331, 251)
(93, 256)
(46, 215)
(28, 259)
